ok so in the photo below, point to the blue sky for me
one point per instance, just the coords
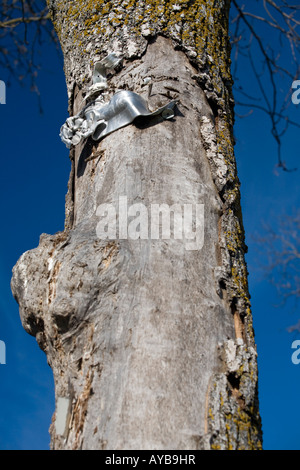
(265, 197)
(34, 176)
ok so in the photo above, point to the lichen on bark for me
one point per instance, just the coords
(91, 29)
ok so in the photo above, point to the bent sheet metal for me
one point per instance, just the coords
(99, 119)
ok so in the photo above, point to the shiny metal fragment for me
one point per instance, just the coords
(101, 68)
(100, 119)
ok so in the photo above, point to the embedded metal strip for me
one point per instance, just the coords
(101, 68)
(100, 119)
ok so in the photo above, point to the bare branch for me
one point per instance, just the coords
(24, 26)
(16, 21)
(283, 21)
(282, 248)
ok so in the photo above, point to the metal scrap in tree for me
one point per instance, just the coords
(100, 118)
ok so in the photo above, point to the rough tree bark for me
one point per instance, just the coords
(151, 344)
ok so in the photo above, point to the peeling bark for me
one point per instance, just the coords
(151, 343)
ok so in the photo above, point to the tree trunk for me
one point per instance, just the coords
(150, 340)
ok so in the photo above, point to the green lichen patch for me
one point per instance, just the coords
(200, 28)
(233, 420)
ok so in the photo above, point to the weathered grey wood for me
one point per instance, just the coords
(151, 343)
